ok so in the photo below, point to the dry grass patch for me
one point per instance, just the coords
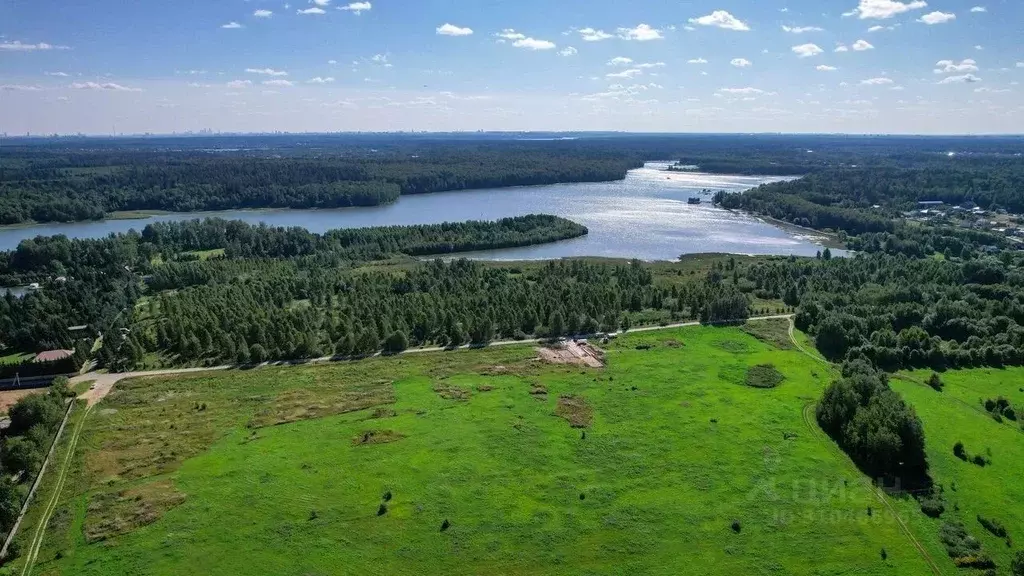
(774, 332)
(112, 514)
(383, 412)
(376, 437)
(450, 392)
(484, 388)
(576, 410)
(538, 389)
(306, 403)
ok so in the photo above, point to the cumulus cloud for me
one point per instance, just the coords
(357, 7)
(884, 9)
(801, 29)
(453, 30)
(640, 33)
(697, 61)
(520, 40)
(842, 48)
(231, 25)
(826, 68)
(239, 83)
(620, 61)
(741, 62)
(807, 50)
(962, 79)
(630, 73)
(266, 71)
(876, 81)
(862, 45)
(978, 9)
(277, 82)
(312, 10)
(936, 17)
(568, 51)
(263, 13)
(103, 86)
(592, 35)
(721, 19)
(951, 67)
(321, 80)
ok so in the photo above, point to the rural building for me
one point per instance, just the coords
(51, 355)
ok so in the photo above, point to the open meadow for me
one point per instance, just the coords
(693, 450)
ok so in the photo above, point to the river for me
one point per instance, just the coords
(645, 216)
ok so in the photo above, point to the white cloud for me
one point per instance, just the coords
(263, 13)
(950, 67)
(862, 45)
(592, 35)
(332, 62)
(992, 90)
(620, 61)
(18, 46)
(979, 47)
(321, 2)
(1020, 64)
(876, 28)
(936, 17)
(320, 80)
(625, 73)
(568, 51)
(883, 9)
(721, 19)
(801, 29)
(453, 30)
(978, 9)
(231, 26)
(103, 86)
(239, 83)
(266, 71)
(379, 59)
(520, 40)
(741, 62)
(842, 48)
(876, 81)
(19, 88)
(60, 74)
(311, 10)
(807, 50)
(697, 61)
(357, 7)
(278, 82)
(651, 65)
(826, 68)
(745, 91)
(641, 33)
(963, 79)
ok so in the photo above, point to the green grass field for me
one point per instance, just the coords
(993, 491)
(683, 469)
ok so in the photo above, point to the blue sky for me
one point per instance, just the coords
(874, 66)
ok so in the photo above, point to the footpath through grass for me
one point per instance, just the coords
(676, 466)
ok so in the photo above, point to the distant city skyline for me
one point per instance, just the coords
(860, 66)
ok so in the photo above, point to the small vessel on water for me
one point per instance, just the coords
(693, 200)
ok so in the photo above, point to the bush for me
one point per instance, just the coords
(884, 554)
(382, 509)
(445, 525)
(964, 549)
(396, 342)
(764, 376)
(993, 526)
(959, 451)
(935, 382)
(1017, 565)
(933, 505)
(736, 526)
(979, 460)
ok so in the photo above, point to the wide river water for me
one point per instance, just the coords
(645, 216)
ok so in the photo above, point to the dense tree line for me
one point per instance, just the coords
(872, 424)
(34, 421)
(281, 312)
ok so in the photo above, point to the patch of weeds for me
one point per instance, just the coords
(764, 376)
(451, 392)
(484, 388)
(576, 410)
(377, 437)
(773, 332)
(112, 514)
(964, 549)
(932, 504)
(384, 412)
(538, 389)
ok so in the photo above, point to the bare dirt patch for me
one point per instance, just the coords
(572, 352)
(449, 392)
(115, 513)
(376, 437)
(576, 410)
(9, 398)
